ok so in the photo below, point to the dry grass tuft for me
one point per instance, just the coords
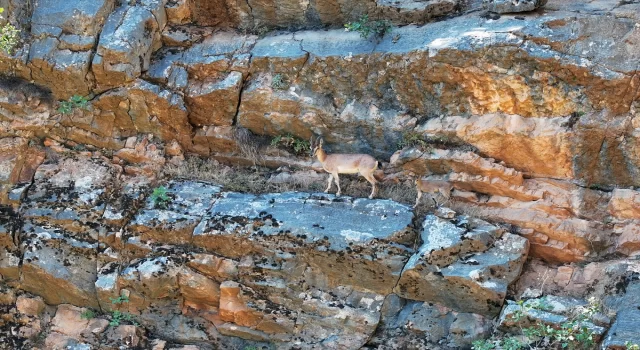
(255, 180)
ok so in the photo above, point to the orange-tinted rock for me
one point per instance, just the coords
(68, 321)
(629, 240)
(625, 204)
(30, 306)
(214, 102)
(215, 139)
(233, 307)
(198, 289)
(148, 109)
(538, 146)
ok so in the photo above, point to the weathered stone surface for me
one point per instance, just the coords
(216, 139)
(537, 146)
(563, 222)
(304, 114)
(413, 324)
(276, 224)
(550, 310)
(625, 204)
(130, 35)
(507, 6)
(467, 258)
(290, 14)
(173, 221)
(30, 306)
(60, 56)
(625, 327)
(628, 242)
(58, 266)
(146, 108)
(214, 102)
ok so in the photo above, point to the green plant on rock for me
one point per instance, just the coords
(9, 36)
(117, 316)
(413, 139)
(160, 198)
(368, 28)
(292, 143)
(483, 344)
(631, 346)
(75, 101)
(573, 334)
(279, 82)
(88, 314)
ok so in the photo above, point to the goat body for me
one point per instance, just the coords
(335, 164)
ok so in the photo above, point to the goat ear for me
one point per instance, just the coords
(321, 141)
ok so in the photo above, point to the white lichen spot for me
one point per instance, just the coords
(355, 236)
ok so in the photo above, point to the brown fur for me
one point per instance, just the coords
(335, 164)
(432, 187)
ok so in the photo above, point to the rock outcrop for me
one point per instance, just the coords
(529, 110)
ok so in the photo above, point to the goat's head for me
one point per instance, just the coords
(316, 145)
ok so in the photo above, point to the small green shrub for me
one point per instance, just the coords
(9, 36)
(117, 316)
(160, 198)
(75, 101)
(631, 346)
(572, 335)
(119, 300)
(292, 143)
(280, 82)
(483, 344)
(88, 314)
(413, 139)
(368, 28)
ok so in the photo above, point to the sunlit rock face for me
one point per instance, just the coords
(529, 110)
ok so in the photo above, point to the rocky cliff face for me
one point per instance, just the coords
(531, 116)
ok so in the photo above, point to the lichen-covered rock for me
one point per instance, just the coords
(10, 255)
(554, 311)
(414, 324)
(172, 220)
(625, 327)
(507, 6)
(472, 260)
(60, 56)
(130, 35)
(59, 266)
(278, 226)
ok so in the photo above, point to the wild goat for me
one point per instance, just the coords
(433, 187)
(335, 164)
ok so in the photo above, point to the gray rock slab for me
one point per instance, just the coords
(332, 235)
(59, 265)
(477, 281)
(625, 328)
(174, 221)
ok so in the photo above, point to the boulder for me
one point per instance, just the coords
(408, 324)
(65, 36)
(130, 35)
(146, 108)
(471, 259)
